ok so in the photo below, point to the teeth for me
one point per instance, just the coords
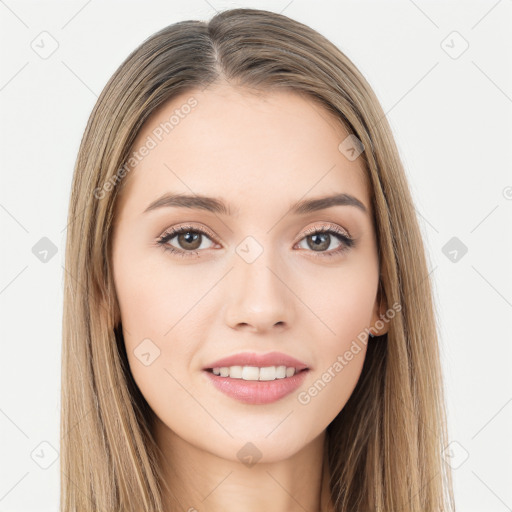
(254, 372)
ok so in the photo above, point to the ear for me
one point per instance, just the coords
(379, 327)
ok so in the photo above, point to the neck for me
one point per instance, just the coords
(200, 481)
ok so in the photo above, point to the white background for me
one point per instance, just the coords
(452, 121)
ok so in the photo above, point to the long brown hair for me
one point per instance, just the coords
(385, 446)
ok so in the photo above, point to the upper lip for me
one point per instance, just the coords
(260, 360)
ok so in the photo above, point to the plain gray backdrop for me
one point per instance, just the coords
(442, 71)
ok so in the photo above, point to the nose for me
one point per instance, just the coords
(259, 297)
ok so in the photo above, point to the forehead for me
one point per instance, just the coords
(251, 147)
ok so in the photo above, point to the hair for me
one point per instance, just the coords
(385, 446)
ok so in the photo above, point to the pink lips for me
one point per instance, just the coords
(260, 360)
(257, 392)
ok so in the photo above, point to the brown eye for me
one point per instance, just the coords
(320, 239)
(188, 240)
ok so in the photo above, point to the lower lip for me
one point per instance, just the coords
(257, 392)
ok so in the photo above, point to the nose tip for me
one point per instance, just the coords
(258, 299)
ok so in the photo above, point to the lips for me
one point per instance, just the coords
(256, 392)
(260, 360)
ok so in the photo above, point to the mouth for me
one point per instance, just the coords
(256, 391)
(254, 378)
(255, 373)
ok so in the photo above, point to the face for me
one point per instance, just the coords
(255, 276)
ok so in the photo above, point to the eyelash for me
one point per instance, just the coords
(347, 242)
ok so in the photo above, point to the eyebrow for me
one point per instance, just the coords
(215, 205)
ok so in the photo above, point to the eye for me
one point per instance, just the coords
(188, 237)
(320, 238)
(190, 240)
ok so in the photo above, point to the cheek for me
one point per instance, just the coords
(341, 299)
(154, 298)
(328, 390)
(340, 354)
(157, 336)
(162, 321)
(344, 302)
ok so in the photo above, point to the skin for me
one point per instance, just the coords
(259, 152)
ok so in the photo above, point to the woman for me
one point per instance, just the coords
(248, 317)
